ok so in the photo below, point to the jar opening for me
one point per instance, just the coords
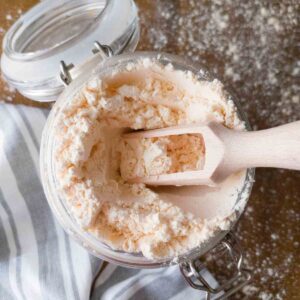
(57, 203)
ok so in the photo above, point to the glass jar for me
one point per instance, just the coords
(29, 44)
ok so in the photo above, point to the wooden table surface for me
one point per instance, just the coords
(252, 47)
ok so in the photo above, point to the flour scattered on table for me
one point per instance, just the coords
(8, 17)
(239, 41)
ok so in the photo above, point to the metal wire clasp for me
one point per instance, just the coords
(65, 75)
(65, 69)
(192, 271)
(104, 48)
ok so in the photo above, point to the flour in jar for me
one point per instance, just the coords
(158, 222)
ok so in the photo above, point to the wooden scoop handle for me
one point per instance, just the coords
(278, 147)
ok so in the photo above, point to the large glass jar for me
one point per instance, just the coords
(57, 59)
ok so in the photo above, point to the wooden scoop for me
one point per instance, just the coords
(228, 151)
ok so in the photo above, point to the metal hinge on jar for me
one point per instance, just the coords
(65, 69)
(192, 271)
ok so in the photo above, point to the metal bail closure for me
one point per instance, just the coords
(65, 74)
(192, 271)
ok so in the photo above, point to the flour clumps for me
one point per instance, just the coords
(89, 163)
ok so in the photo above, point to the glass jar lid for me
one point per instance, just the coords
(55, 34)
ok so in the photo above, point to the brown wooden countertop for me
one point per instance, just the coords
(252, 47)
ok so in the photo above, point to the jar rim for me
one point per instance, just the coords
(58, 206)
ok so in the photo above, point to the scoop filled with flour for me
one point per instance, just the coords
(142, 157)
(93, 163)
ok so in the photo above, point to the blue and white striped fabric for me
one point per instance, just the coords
(37, 259)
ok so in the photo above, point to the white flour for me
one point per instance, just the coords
(132, 217)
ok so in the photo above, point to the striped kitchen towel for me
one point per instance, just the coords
(37, 259)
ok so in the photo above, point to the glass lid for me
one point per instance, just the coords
(63, 33)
